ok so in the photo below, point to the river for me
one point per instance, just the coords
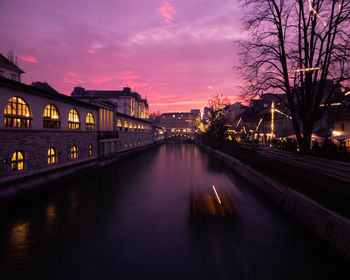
(130, 220)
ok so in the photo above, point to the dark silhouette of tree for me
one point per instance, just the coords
(297, 47)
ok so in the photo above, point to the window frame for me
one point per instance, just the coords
(74, 152)
(90, 150)
(51, 157)
(49, 121)
(72, 123)
(90, 125)
(20, 115)
(15, 163)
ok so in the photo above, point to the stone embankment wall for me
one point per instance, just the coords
(38, 178)
(330, 226)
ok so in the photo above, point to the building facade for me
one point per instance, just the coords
(126, 102)
(179, 122)
(42, 130)
(45, 135)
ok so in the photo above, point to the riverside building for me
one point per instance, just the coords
(45, 135)
(42, 131)
(131, 114)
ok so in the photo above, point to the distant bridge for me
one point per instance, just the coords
(180, 136)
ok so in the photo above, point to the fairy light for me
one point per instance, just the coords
(272, 117)
(258, 124)
(278, 111)
(239, 122)
(312, 10)
(305, 69)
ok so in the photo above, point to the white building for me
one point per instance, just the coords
(9, 70)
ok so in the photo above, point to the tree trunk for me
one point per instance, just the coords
(306, 142)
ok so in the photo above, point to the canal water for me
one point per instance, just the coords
(131, 220)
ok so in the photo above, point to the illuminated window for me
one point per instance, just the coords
(51, 156)
(73, 152)
(138, 126)
(125, 124)
(90, 122)
(119, 123)
(130, 125)
(91, 149)
(17, 113)
(73, 119)
(134, 125)
(51, 117)
(132, 107)
(17, 161)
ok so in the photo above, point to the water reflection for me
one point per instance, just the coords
(20, 243)
(74, 200)
(51, 214)
(131, 221)
(19, 235)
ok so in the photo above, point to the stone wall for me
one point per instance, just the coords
(130, 140)
(328, 225)
(34, 144)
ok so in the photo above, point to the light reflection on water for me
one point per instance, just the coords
(131, 221)
(51, 214)
(19, 236)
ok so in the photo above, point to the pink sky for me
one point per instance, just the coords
(177, 52)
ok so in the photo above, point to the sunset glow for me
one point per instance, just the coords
(175, 53)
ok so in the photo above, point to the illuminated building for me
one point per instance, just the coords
(179, 121)
(196, 112)
(127, 102)
(45, 135)
(341, 127)
(39, 127)
(128, 126)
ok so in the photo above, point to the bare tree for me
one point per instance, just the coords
(11, 56)
(297, 47)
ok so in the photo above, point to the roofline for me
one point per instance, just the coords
(13, 67)
(11, 64)
(14, 85)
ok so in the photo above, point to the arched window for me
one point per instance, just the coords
(73, 152)
(135, 126)
(73, 119)
(119, 124)
(90, 122)
(138, 126)
(51, 156)
(126, 126)
(51, 118)
(17, 113)
(91, 149)
(131, 125)
(17, 161)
